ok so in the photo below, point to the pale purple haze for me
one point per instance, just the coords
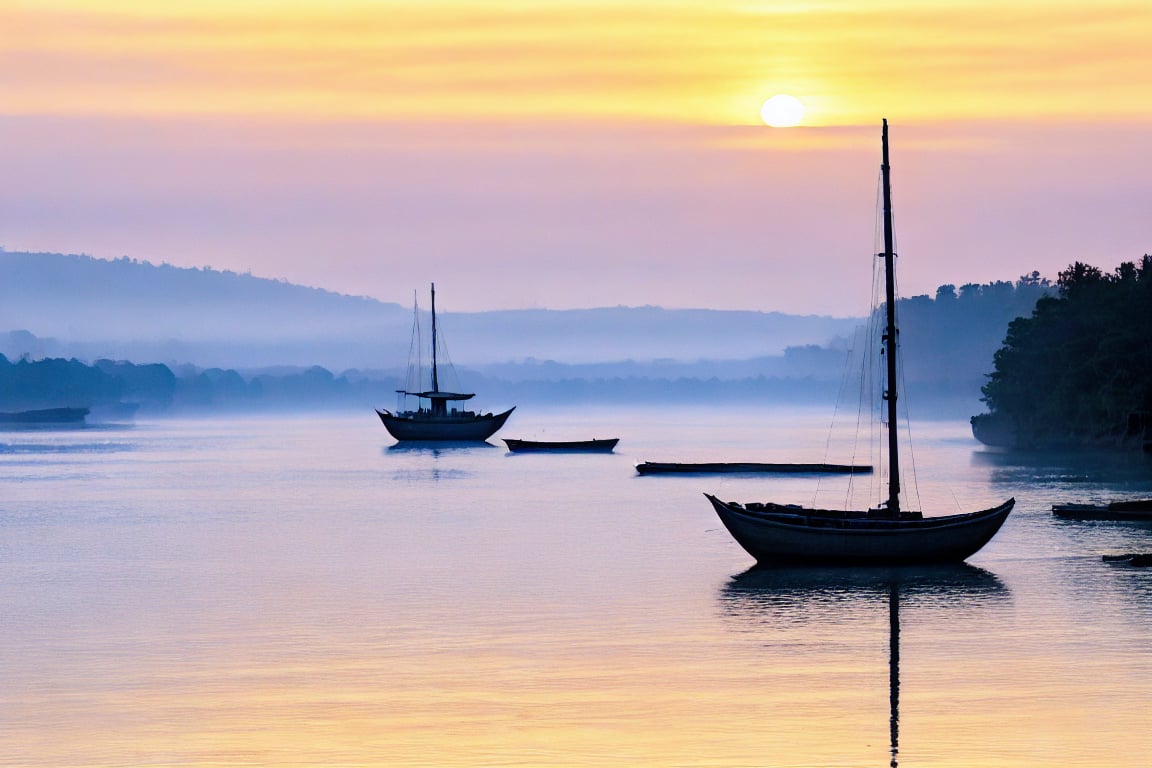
(579, 215)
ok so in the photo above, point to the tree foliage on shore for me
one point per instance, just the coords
(1078, 372)
(948, 340)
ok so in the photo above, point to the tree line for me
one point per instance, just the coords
(1077, 372)
(157, 389)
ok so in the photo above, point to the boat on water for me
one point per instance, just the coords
(437, 420)
(43, 416)
(1134, 509)
(888, 534)
(748, 467)
(604, 445)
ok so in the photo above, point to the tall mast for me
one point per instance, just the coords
(435, 377)
(890, 333)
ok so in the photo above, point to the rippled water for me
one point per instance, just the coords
(299, 592)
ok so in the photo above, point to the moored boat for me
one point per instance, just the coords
(44, 416)
(886, 534)
(438, 420)
(748, 467)
(604, 445)
(1134, 509)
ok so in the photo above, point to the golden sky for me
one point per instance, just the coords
(675, 60)
(558, 153)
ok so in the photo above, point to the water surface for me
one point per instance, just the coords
(297, 591)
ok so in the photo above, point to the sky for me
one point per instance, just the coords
(573, 153)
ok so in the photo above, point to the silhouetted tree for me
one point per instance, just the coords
(1078, 369)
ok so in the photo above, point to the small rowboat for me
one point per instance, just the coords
(1137, 509)
(677, 468)
(562, 446)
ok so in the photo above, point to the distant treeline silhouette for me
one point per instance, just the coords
(947, 340)
(1078, 371)
(55, 382)
(159, 390)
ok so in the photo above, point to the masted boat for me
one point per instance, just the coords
(438, 420)
(887, 534)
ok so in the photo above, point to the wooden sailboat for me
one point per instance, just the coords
(785, 533)
(439, 420)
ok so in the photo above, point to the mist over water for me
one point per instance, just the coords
(302, 591)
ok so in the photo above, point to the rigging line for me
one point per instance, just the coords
(453, 378)
(859, 349)
(878, 370)
(861, 341)
(415, 358)
(832, 425)
(876, 383)
(865, 402)
(908, 422)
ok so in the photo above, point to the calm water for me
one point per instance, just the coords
(297, 592)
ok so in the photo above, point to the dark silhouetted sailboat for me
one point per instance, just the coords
(886, 535)
(439, 420)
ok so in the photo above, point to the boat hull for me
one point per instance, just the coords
(44, 416)
(677, 468)
(452, 427)
(561, 446)
(1116, 511)
(783, 535)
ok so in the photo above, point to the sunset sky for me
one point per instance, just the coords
(576, 154)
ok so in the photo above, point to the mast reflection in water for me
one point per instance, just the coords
(762, 598)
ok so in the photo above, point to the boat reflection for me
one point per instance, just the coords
(436, 447)
(1062, 467)
(761, 597)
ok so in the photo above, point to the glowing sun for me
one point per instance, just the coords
(782, 111)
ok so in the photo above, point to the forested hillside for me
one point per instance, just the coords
(948, 340)
(1078, 371)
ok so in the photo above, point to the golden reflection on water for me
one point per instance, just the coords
(478, 619)
(805, 683)
(808, 685)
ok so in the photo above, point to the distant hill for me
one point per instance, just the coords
(239, 341)
(82, 298)
(77, 306)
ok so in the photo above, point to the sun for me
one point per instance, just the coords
(782, 111)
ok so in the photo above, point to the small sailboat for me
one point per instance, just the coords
(439, 420)
(887, 534)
